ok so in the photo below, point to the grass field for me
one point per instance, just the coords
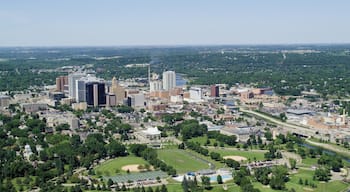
(181, 160)
(308, 162)
(111, 167)
(321, 187)
(202, 140)
(259, 155)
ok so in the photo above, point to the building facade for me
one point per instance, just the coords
(91, 90)
(72, 78)
(169, 80)
(61, 83)
(214, 91)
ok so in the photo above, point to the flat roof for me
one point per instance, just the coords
(299, 111)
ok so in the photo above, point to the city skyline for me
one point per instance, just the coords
(161, 23)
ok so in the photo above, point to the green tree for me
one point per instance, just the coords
(219, 179)
(164, 188)
(206, 182)
(292, 163)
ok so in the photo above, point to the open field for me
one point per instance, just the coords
(181, 160)
(111, 167)
(258, 155)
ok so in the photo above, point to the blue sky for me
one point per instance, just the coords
(176, 22)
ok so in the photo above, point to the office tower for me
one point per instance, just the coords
(169, 80)
(214, 91)
(149, 74)
(61, 82)
(111, 100)
(118, 91)
(136, 100)
(155, 86)
(72, 78)
(91, 90)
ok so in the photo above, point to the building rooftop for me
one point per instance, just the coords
(300, 111)
(151, 131)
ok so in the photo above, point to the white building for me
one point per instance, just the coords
(27, 151)
(72, 78)
(176, 99)
(151, 133)
(195, 94)
(155, 86)
(169, 80)
(136, 100)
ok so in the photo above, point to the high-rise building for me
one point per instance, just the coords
(61, 82)
(118, 91)
(72, 78)
(214, 91)
(136, 100)
(169, 80)
(111, 100)
(91, 90)
(155, 86)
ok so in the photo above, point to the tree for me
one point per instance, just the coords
(290, 146)
(123, 187)
(163, 188)
(292, 163)
(232, 163)
(301, 181)
(149, 189)
(184, 184)
(262, 175)
(268, 135)
(109, 182)
(219, 179)
(157, 189)
(116, 149)
(283, 117)
(181, 146)
(206, 182)
(215, 156)
(322, 174)
(279, 177)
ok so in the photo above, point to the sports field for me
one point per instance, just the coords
(114, 166)
(258, 155)
(181, 160)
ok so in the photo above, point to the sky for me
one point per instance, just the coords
(172, 22)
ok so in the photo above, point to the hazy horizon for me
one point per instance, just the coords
(114, 23)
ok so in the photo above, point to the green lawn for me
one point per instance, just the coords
(217, 164)
(181, 160)
(202, 140)
(247, 154)
(308, 162)
(111, 167)
(333, 186)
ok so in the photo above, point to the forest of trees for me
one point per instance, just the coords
(324, 69)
